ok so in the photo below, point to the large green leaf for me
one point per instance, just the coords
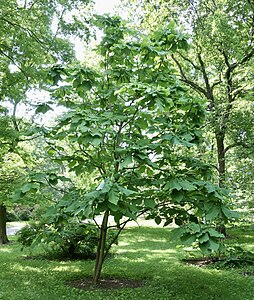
(203, 238)
(114, 195)
(230, 214)
(195, 228)
(157, 220)
(214, 233)
(28, 187)
(149, 203)
(188, 239)
(187, 185)
(173, 184)
(42, 108)
(180, 184)
(127, 161)
(177, 195)
(210, 187)
(204, 247)
(126, 192)
(213, 213)
(214, 245)
(92, 195)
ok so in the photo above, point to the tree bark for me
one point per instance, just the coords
(221, 165)
(221, 162)
(100, 255)
(3, 221)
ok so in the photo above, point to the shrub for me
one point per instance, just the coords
(71, 240)
(11, 216)
(19, 213)
(235, 258)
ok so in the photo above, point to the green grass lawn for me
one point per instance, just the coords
(143, 253)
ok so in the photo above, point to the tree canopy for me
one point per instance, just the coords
(140, 121)
(132, 125)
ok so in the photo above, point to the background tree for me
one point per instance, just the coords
(34, 35)
(219, 67)
(12, 173)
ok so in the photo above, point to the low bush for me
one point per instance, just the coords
(236, 257)
(11, 216)
(19, 213)
(63, 241)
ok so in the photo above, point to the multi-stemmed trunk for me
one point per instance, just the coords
(100, 255)
(3, 221)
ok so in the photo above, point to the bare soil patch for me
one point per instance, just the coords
(200, 262)
(106, 283)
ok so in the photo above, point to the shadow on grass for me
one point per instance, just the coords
(149, 254)
(145, 254)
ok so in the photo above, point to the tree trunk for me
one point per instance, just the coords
(221, 163)
(3, 220)
(100, 255)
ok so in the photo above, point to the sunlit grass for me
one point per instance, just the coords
(143, 253)
(7, 250)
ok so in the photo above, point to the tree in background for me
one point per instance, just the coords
(34, 35)
(12, 173)
(218, 67)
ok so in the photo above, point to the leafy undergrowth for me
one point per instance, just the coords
(240, 258)
(144, 254)
(238, 255)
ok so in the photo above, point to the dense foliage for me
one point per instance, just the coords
(152, 125)
(34, 35)
(131, 125)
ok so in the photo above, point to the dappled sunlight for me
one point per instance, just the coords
(22, 268)
(44, 267)
(145, 246)
(145, 255)
(137, 259)
(67, 268)
(6, 250)
(163, 251)
(140, 239)
(123, 244)
(143, 251)
(245, 240)
(249, 247)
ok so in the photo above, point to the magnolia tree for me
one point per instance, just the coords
(132, 125)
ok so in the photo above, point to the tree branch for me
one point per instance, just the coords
(228, 75)
(217, 82)
(187, 81)
(190, 61)
(27, 30)
(236, 145)
(14, 120)
(13, 61)
(247, 57)
(206, 79)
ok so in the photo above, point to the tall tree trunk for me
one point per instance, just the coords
(100, 255)
(221, 162)
(3, 220)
